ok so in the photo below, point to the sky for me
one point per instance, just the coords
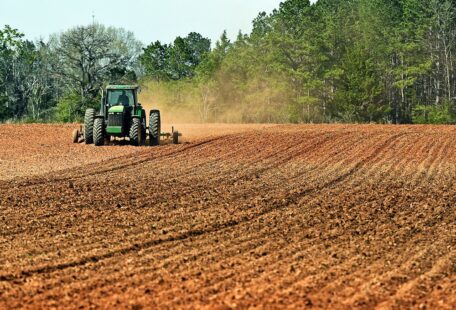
(150, 20)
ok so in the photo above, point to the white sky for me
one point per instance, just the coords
(150, 20)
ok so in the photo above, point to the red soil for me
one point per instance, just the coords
(237, 216)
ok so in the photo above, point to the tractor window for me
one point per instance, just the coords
(121, 97)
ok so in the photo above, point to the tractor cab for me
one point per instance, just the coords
(120, 105)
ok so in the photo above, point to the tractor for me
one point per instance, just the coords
(122, 116)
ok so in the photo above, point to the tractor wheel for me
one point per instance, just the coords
(154, 128)
(98, 132)
(88, 125)
(136, 132)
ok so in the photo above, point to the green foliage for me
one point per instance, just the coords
(382, 61)
(67, 107)
(177, 61)
(71, 107)
(336, 61)
(122, 75)
(85, 58)
(442, 114)
(156, 61)
(212, 61)
(10, 40)
(5, 111)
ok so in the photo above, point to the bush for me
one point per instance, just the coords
(66, 109)
(71, 108)
(425, 114)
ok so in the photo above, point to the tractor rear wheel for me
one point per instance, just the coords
(98, 132)
(88, 125)
(136, 132)
(154, 128)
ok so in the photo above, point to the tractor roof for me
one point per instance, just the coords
(124, 87)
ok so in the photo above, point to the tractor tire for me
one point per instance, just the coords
(89, 119)
(154, 128)
(98, 132)
(136, 132)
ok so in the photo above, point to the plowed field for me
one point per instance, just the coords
(237, 216)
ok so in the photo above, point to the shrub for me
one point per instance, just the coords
(431, 114)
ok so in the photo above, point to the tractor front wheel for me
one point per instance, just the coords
(136, 132)
(98, 132)
(88, 125)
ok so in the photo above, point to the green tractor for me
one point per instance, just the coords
(122, 116)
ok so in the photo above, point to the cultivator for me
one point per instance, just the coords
(173, 137)
(122, 117)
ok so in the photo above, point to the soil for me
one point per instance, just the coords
(262, 216)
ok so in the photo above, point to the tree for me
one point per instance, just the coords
(86, 57)
(10, 44)
(25, 85)
(205, 82)
(176, 61)
(156, 61)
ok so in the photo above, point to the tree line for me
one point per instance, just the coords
(383, 61)
(60, 78)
